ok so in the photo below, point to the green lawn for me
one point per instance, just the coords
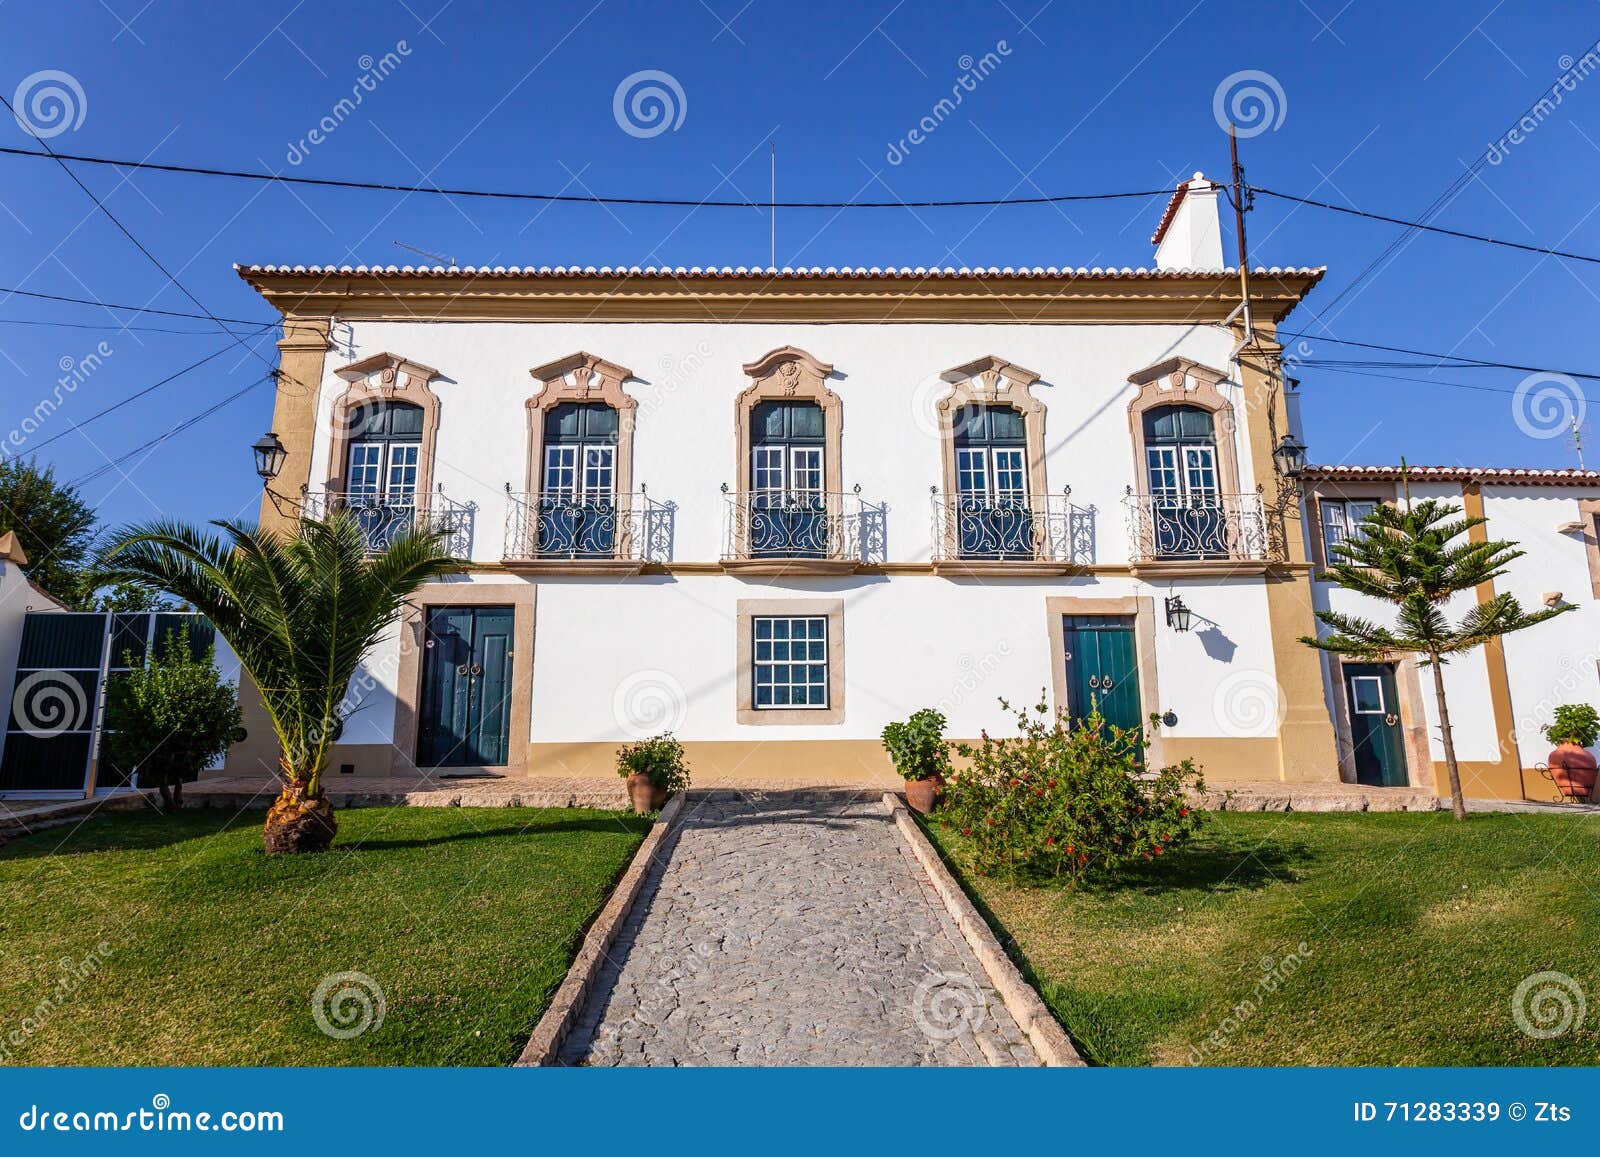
(1417, 932)
(465, 917)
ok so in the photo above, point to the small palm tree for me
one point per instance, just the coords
(1410, 557)
(300, 611)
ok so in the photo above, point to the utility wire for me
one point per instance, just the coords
(572, 198)
(4, 293)
(178, 429)
(1452, 361)
(1421, 226)
(133, 397)
(118, 328)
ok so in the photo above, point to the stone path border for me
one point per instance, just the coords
(1022, 1001)
(24, 817)
(544, 1046)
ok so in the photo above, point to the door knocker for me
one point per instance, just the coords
(1105, 682)
(477, 669)
(1094, 682)
(1391, 719)
(461, 669)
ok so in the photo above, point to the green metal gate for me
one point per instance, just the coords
(58, 699)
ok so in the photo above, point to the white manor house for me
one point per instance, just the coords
(772, 510)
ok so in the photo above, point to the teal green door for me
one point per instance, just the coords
(1102, 669)
(1375, 724)
(466, 687)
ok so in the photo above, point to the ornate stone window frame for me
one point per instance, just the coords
(581, 377)
(385, 377)
(993, 381)
(789, 374)
(1180, 381)
(746, 612)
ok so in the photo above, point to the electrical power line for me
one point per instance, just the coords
(5, 292)
(1450, 361)
(1425, 228)
(104, 327)
(572, 198)
(133, 397)
(114, 463)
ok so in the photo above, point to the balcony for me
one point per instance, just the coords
(1043, 534)
(800, 532)
(384, 517)
(1198, 534)
(587, 536)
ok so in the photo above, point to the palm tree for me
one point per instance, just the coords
(1410, 557)
(300, 611)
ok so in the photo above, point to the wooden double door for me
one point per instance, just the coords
(466, 687)
(1102, 666)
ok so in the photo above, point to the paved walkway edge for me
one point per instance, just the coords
(1022, 1001)
(544, 1046)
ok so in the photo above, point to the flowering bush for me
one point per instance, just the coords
(917, 747)
(1064, 800)
(660, 757)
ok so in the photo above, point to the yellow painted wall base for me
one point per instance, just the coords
(1223, 759)
(1502, 780)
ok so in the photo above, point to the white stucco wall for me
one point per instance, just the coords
(1555, 662)
(689, 374)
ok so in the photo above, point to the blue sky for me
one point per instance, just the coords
(1384, 106)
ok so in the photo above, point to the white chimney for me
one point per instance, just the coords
(1190, 234)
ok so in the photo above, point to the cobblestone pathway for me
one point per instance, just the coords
(791, 930)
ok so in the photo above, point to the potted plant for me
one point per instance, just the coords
(1575, 727)
(654, 769)
(918, 752)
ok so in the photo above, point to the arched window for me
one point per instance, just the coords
(993, 509)
(578, 483)
(788, 480)
(1180, 448)
(382, 467)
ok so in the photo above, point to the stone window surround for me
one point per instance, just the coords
(1180, 381)
(1356, 491)
(1142, 609)
(789, 374)
(384, 377)
(572, 379)
(992, 381)
(519, 595)
(746, 612)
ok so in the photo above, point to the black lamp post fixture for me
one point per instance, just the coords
(1290, 456)
(270, 454)
(1178, 615)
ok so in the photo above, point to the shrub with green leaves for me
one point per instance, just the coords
(170, 718)
(1574, 723)
(660, 757)
(917, 747)
(1064, 800)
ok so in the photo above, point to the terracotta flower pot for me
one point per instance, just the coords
(644, 795)
(1573, 769)
(921, 794)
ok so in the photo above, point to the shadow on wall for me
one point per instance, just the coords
(1217, 645)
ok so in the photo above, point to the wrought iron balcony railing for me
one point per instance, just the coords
(629, 527)
(384, 517)
(1035, 528)
(788, 524)
(1197, 528)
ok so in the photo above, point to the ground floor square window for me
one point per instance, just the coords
(791, 661)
